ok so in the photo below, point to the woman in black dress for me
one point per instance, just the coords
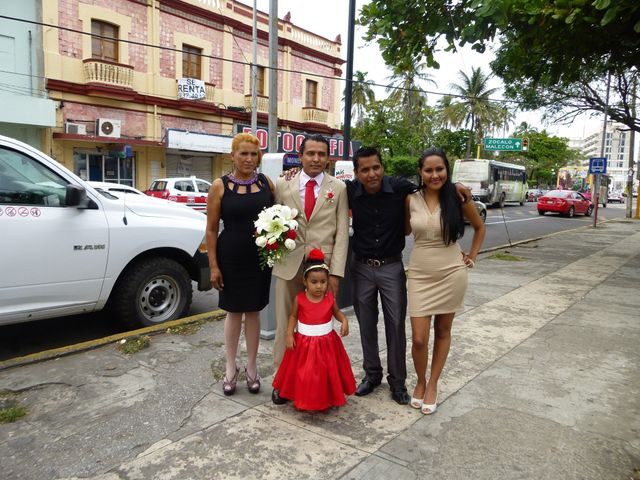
(237, 199)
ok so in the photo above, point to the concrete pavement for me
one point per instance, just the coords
(542, 382)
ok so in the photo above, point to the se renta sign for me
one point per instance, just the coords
(597, 165)
(503, 144)
(191, 89)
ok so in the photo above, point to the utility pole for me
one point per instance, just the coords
(596, 192)
(632, 135)
(273, 76)
(348, 94)
(254, 72)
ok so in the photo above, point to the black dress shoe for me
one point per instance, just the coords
(277, 399)
(366, 387)
(400, 396)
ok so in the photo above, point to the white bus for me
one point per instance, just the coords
(493, 182)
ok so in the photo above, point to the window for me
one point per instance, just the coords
(202, 187)
(105, 48)
(260, 81)
(191, 61)
(97, 167)
(312, 94)
(23, 181)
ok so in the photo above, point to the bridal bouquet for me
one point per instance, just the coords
(276, 233)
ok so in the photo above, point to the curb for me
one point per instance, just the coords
(99, 342)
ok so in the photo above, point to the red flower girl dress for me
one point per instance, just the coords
(316, 374)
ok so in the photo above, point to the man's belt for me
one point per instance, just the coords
(377, 262)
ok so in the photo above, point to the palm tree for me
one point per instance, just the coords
(405, 90)
(474, 108)
(361, 96)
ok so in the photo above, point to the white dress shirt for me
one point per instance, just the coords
(304, 178)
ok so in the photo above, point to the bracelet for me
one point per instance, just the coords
(473, 264)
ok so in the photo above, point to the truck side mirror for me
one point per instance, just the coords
(76, 196)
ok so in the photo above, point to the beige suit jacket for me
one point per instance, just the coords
(327, 228)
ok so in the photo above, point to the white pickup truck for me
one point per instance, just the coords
(67, 248)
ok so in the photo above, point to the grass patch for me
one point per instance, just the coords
(507, 257)
(133, 345)
(217, 372)
(11, 414)
(186, 328)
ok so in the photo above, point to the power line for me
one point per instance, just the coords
(277, 69)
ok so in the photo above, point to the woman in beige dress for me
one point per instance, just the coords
(437, 269)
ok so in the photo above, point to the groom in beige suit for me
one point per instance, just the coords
(323, 223)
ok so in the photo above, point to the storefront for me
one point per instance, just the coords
(131, 162)
(201, 155)
(117, 166)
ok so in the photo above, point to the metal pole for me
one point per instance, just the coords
(596, 193)
(348, 96)
(632, 135)
(273, 76)
(254, 72)
(268, 319)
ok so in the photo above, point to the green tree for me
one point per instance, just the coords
(361, 96)
(404, 89)
(554, 54)
(453, 142)
(386, 127)
(473, 107)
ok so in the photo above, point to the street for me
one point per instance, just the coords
(514, 223)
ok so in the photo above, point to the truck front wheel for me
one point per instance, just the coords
(152, 291)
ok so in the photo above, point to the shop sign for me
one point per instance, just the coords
(198, 142)
(289, 142)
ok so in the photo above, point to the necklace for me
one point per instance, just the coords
(249, 181)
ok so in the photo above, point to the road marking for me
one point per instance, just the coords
(511, 221)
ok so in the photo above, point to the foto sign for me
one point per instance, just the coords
(597, 165)
(503, 144)
(191, 89)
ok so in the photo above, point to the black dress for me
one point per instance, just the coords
(246, 285)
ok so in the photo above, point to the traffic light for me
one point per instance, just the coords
(525, 144)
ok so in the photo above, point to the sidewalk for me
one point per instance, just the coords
(542, 382)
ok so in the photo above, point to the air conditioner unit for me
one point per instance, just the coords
(75, 128)
(108, 128)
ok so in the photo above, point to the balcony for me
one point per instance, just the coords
(262, 103)
(107, 73)
(314, 115)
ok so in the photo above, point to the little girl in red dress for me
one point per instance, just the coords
(315, 372)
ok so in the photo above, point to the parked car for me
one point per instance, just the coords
(480, 207)
(616, 197)
(191, 191)
(114, 187)
(72, 248)
(533, 194)
(564, 202)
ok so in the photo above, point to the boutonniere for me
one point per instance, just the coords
(329, 195)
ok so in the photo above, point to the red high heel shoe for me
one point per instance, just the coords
(253, 384)
(229, 386)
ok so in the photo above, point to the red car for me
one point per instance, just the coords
(564, 202)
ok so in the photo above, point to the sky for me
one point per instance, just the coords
(330, 18)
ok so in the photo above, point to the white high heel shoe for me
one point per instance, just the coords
(429, 409)
(416, 403)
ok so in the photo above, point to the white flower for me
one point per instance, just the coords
(293, 225)
(271, 240)
(294, 213)
(261, 241)
(289, 244)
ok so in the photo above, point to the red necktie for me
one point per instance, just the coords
(309, 198)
